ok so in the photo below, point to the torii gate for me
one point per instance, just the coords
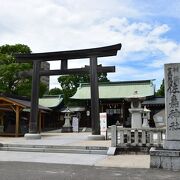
(64, 56)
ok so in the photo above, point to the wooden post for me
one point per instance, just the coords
(95, 119)
(34, 98)
(17, 121)
(64, 64)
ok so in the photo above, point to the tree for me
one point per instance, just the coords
(10, 81)
(24, 89)
(70, 83)
(55, 91)
(160, 91)
(42, 89)
(9, 69)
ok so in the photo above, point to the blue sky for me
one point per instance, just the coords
(148, 30)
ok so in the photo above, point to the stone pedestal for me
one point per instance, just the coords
(169, 144)
(96, 137)
(66, 129)
(169, 156)
(136, 117)
(31, 136)
(165, 159)
(136, 111)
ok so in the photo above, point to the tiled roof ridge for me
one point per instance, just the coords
(120, 82)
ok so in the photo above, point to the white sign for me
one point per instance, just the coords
(75, 124)
(103, 123)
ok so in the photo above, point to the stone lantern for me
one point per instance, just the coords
(136, 110)
(146, 117)
(67, 127)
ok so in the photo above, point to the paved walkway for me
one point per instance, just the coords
(42, 171)
(64, 139)
(71, 139)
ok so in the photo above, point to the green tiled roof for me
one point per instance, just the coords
(116, 90)
(50, 101)
(155, 101)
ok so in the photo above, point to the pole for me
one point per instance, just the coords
(34, 98)
(95, 120)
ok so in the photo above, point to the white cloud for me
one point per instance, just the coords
(53, 25)
(159, 30)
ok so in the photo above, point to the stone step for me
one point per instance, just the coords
(55, 146)
(54, 149)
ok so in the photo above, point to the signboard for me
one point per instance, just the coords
(103, 123)
(75, 124)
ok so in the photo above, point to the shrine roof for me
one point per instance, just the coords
(25, 104)
(155, 101)
(118, 90)
(51, 101)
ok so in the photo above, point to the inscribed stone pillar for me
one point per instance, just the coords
(172, 100)
(168, 157)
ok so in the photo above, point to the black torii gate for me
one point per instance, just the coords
(64, 56)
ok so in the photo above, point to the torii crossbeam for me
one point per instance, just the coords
(64, 56)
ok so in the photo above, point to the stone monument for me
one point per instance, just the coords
(169, 156)
(159, 119)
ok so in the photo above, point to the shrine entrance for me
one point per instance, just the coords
(64, 56)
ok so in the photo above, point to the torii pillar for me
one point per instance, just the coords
(94, 96)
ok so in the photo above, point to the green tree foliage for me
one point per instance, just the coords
(70, 83)
(24, 89)
(42, 89)
(55, 91)
(10, 81)
(160, 91)
(9, 69)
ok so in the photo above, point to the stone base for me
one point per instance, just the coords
(171, 144)
(66, 129)
(136, 117)
(32, 136)
(96, 137)
(165, 159)
(111, 151)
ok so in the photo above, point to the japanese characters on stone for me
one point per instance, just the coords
(173, 91)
